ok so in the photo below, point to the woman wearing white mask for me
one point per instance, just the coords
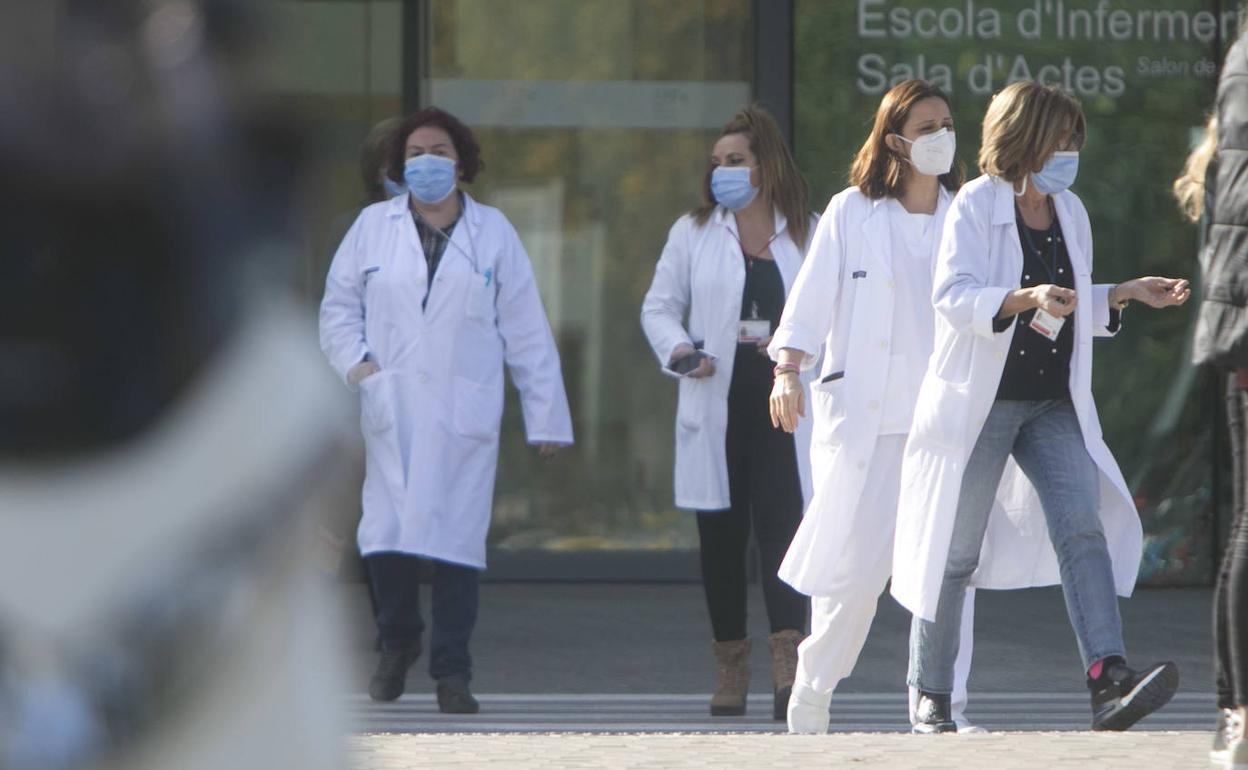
(1005, 456)
(718, 290)
(863, 295)
(429, 295)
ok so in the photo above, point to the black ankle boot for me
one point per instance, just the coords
(933, 714)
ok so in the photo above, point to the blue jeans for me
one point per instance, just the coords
(1046, 442)
(395, 579)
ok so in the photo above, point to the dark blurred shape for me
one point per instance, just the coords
(139, 179)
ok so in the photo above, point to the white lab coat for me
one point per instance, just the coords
(842, 302)
(979, 263)
(701, 274)
(431, 415)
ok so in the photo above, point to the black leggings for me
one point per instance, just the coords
(1230, 595)
(766, 496)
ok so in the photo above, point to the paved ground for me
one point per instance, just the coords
(607, 676)
(994, 751)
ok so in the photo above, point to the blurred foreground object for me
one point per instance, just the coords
(164, 416)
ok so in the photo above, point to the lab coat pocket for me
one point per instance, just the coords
(942, 414)
(691, 403)
(376, 403)
(827, 409)
(478, 409)
(479, 302)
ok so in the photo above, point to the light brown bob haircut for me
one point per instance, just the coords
(1025, 124)
(782, 185)
(877, 171)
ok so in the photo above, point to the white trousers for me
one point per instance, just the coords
(840, 621)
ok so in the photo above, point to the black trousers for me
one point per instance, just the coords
(395, 581)
(1230, 594)
(766, 497)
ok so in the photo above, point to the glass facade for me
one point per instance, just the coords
(596, 118)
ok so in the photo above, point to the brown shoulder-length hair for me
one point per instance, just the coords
(782, 185)
(1026, 123)
(878, 171)
(466, 147)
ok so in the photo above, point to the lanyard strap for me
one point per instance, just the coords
(1051, 266)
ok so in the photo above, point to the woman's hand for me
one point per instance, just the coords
(706, 367)
(787, 402)
(362, 371)
(1152, 291)
(547, 450)
(1055, 300)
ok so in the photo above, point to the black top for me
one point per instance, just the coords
(763, 294)
(1038, 368)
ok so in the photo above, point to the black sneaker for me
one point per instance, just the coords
(1122, 696)
(933, 714)
(454, 698)
(391, 674)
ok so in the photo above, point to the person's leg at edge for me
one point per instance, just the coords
(1236, 590)
(1230, 716)
(935, 644)
(456, 597)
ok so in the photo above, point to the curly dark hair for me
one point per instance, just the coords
(466, 147)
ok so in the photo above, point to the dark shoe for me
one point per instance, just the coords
(933, 714)
(1122, 696)
(454, 698)
(391, 674)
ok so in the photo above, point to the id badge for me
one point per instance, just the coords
(753, 330)
(1048, 325)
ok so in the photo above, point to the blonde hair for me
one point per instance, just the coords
(782, 185)
(1189, 187)
(1026, 123)
(878, 171)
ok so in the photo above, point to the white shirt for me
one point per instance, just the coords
(913, 320)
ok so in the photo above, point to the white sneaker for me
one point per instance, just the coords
(965, 727)
(808, 710)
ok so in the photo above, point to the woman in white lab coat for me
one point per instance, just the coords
(429, 295)
(1006, 441)
(864, 297)
(718, 290)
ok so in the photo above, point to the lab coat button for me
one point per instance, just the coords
(873, 405)
(422, 377)
(861, 465)
(884, 344)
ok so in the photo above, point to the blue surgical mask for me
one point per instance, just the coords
(430, 178)
(731, 187)
(393, 188)
(1057, 173)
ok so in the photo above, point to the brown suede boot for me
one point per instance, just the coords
(732, 674)
(783, 668)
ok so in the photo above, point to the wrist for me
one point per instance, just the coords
(1120, 295)
(785, 369)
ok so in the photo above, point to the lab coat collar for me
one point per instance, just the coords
(398, 207)
(722, 216)
(1003, 202)
(877, 237)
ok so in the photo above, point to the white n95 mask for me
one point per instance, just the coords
(932, 154)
